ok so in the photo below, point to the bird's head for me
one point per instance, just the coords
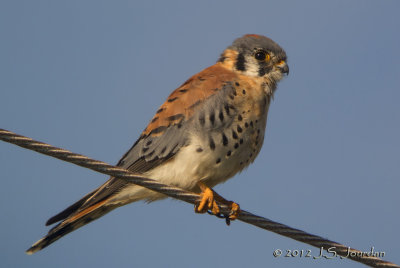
(256, 56)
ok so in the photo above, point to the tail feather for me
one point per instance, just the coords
(70, 210)
(73, 222)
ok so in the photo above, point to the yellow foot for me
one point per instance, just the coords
(235, 210)
(208, 202)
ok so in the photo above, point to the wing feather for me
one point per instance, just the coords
(166, 133)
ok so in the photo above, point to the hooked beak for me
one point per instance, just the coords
(283, 67)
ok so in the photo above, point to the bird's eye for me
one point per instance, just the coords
(262, 56)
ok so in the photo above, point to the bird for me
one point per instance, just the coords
(208, 129)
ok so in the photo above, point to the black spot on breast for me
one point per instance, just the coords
(183, 90)
(212, 118)
(241, 163)
(199, 150)
(149, 142)
(236, 145)
(241, 141)
(240, 62)
(145, 149)
(175, 117)
(240, 118)
(163, 150)
(173, 99)
(160, 110)
(234, 135)
(237, 83)
(228, 153)
(224, 139)
(231, 97)
(154, 119)
(258, 131)
(244, 92)
(246, 125)
(251, 124)
(239, 129)
(158, 130)
(218, 161)
(221, 116)
(212, 143)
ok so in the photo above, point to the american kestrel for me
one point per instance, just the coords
(208, 129)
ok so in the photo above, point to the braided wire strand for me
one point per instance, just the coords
(192, 198)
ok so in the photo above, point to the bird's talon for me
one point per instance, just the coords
(207, 203)
(235, 210)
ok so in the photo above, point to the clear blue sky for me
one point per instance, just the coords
(89, 75)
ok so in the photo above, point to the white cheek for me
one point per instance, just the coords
(276, 75)
(252, 67)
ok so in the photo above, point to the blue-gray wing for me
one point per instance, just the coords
(199, 104)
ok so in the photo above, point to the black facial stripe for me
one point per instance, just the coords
(240, 62)
(263, 69)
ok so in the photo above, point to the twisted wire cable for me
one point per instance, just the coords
(193, 198)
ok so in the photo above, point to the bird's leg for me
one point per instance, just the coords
(208, 202)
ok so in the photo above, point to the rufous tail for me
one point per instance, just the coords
(73, 222)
